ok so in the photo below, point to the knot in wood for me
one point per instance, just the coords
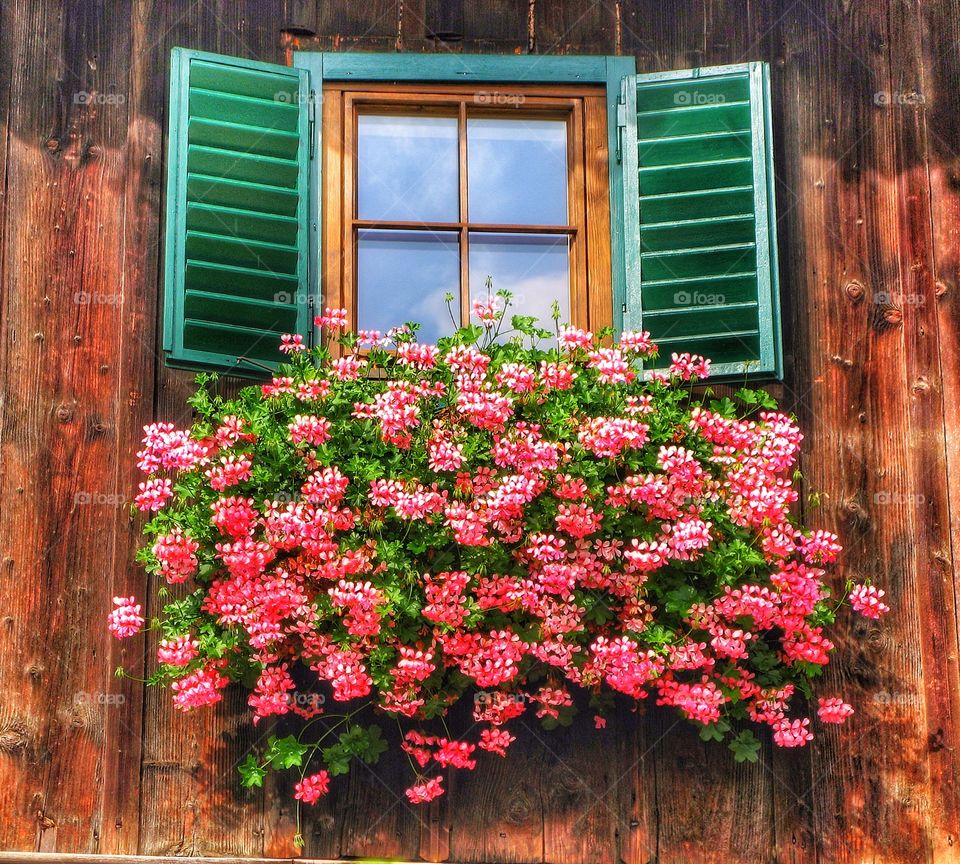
(893, 316)
(13, 736)
(854, 290)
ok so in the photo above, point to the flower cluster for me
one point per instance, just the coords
(512, 520)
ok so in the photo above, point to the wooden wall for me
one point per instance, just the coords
(867, 142)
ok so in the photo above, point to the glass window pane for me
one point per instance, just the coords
(533, 267)
(403, 276)
(517, 171)
(407, 168)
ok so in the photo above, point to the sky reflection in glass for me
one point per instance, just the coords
(517, 171)
(407, 168)
(533, 267)
(403, 276)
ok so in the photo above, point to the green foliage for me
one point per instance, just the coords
(653, 612)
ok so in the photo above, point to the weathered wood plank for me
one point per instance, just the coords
(376, 820)
(6, 75)
(192, 801)
(769, 38)
(870, 780)
(662, 36)
(498, 809)
(579, 788)
(496, 27)
(80, 858)
(932, 372)
(574, 27)
(711, 809)
(71, 781)
(300, 16)
(636, 791)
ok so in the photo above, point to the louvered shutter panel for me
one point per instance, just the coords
(700, 221)
(236, 262)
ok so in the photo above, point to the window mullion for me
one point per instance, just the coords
(464, 220)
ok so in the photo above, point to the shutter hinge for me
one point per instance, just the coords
(311, 328)
(621, 118)
(312, 122)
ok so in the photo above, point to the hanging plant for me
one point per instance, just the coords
(506, 516)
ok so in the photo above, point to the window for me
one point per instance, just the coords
(385, 182)
(460, 192)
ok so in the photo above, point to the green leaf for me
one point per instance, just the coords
(724, 407)
(366, 744)
(251, 773)
(767, 401)
(745, 747)
(680, 599)
(714, 731)
(375, 746)
(337, 759)
(285, 752)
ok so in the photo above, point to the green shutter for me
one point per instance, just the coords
(700, 220)
(237, 270)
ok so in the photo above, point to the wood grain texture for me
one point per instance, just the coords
(940, 70)
(574, 27)
(936, 609)
(768, 34)
(192, 802)
(868, 160)
(73, 729)
(850, 369)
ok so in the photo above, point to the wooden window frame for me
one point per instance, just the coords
(588, 223)
(492, 74)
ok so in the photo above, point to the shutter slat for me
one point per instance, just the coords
(243, 281)
(267, 227)
(706, 244)
(231, 165)
(240, 252)
(242, 194)
(240, 311)
(689, 205)
(697, 233)
(237, 212)
(201, 338)
(691, 310)
(700, 147)
(240, 137)
(258, 113)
